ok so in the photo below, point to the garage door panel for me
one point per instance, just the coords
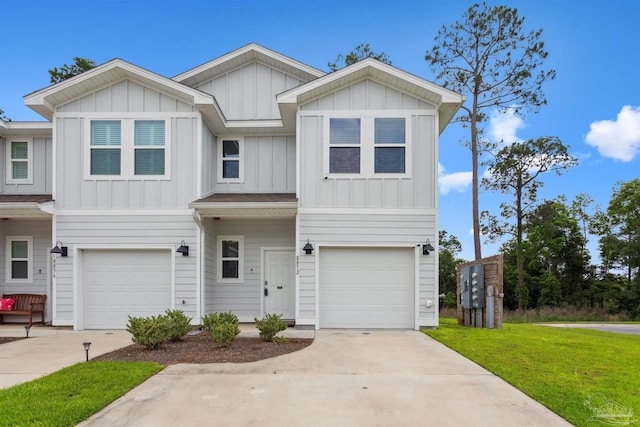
(120, 283)
(366, 287)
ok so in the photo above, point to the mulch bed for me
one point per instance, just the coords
(200, 349)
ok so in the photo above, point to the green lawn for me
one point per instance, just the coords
(71, 395)
(558, 367)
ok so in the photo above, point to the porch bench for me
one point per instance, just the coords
(25, 305)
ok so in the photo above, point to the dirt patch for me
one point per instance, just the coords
(4, 340)
(200, 349)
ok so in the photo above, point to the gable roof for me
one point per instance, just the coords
(244, 55)
(445, 100)
(45, 100)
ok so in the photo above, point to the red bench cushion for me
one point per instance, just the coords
(6, 304)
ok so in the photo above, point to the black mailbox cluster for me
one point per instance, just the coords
(472, 287)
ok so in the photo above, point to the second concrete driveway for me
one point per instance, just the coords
(345, 378)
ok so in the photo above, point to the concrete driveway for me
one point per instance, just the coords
(345, 378)
(618, 328)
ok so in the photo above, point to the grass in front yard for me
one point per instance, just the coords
(71, 395)
(558, 367)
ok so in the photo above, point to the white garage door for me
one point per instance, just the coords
(119, 283)
(366, 287)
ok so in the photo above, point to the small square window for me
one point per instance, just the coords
(230, 159)
(19, 259)
(19, 162)
(230, 258)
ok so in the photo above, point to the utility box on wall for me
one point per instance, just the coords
(480, 293)
(472, 287)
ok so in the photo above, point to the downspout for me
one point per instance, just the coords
(199, 264)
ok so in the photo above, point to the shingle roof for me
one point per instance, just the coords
(22, 198)
(249, 198)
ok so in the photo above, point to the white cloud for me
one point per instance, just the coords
(503, 126)
(457, 181)
(618, 139)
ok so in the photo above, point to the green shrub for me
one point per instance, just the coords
(224, 334)
(179, 324)
(151, 332)
(269, 326)
(222, 327)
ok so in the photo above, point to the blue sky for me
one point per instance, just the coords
(593, 105)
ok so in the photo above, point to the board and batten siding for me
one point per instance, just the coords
(419, 190)
(126, 97)
(40, 231)
(244, 299)
(366, 229)
(76, 192)
(208, 163)
(249, 92)
(41, 166)
(126, 232)
(367, 95)
(269, 166)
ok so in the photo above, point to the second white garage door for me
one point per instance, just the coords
(366, 288)
(119, 283)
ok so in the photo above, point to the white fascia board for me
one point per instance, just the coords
(38, 99)
(26, 128)
(244, 205)
(445, 95)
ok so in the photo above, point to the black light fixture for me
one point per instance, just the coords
(26, 329)
(86, 346)
(183, 249)
(59, 249)
(427, 247)
(308, 248)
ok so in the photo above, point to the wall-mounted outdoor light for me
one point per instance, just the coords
(26, 330)
(59, 249)
(308, 248)
(183, 249)
(427, 247)
(86, 346)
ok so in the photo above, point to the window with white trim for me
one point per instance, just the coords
(128, 149)
(230, 159)
(19, 250)
(20, 161)
(344, 145)
(149, 147)
(367, 146)
(106, 151)
(390, 143)
(231, 259)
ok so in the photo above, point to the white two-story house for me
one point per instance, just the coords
(252, 183)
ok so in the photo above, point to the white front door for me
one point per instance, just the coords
(279, 279)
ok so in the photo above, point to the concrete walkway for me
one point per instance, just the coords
(50, 349)
(345, 378)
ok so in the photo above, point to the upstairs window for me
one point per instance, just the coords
(230, 160)
(374, 145)
(19, 156)
(106, 141)
(344, 145)
(230, 258)
(389, 142)
(19, 259)
(149, 141)
(128, 149)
